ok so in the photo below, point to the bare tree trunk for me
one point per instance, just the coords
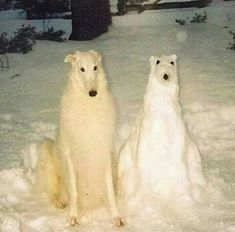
(90, 18)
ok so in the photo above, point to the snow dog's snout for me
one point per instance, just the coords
(166, 76)
(92, 93)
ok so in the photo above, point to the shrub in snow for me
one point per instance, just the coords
(197, 18)
(180, 21)
(3, 43)
(23, 40)
(51, 35)
(159, 158)
(232, 44)
(25, 37)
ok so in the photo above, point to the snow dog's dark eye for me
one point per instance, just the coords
(95, 68)
(158, 62)
(172, 62)
(82, 69)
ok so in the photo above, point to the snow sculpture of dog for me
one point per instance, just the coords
(159, 157)
(76, 168)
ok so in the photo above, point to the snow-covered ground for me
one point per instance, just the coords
(29, 110)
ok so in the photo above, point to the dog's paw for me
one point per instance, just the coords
(119, 221)
(74, 220)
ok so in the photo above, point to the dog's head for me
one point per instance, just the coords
(87, 71)
(164, 74)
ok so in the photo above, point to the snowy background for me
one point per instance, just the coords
(30, 92)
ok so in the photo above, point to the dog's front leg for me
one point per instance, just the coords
(118, 220)
(73, 195)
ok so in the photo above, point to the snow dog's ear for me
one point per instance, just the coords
(154, 61)
(96, 54)
(70, 58)
(174, 57)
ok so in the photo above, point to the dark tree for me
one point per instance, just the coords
(42, 9)
(90, 18)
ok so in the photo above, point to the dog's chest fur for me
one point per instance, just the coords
(88, 124)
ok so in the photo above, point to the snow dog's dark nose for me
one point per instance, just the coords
(166, 76)
(92, 93)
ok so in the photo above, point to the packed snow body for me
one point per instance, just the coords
(159, 158)
(76, 169)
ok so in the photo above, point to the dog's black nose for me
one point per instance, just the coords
(165, 76)
(92, 93)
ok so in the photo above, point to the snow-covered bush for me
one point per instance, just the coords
(51, 35)
(197, 18)
(25, 37)
(232, 44)
(180, 21)
(3, 43)
(23, 40)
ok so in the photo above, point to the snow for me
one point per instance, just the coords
(29, 111)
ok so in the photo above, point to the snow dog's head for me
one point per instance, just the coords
(87, 71)
(163, 74)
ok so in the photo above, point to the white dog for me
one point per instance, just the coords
(76, 168)
(159, 157)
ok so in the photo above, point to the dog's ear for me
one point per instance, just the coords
(96, 54)
(70, 58)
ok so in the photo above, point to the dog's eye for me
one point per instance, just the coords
(158, 62)
(82, 69)
(95, 68)
(172, 62)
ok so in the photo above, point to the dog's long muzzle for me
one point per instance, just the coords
(90, 84)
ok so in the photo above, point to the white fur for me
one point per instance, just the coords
(76, 168)
(159, 157)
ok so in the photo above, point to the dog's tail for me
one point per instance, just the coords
(43, 168)
(50, 176)
(46, 168)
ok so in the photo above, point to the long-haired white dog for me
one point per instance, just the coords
(159, 157)
(76, 169)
